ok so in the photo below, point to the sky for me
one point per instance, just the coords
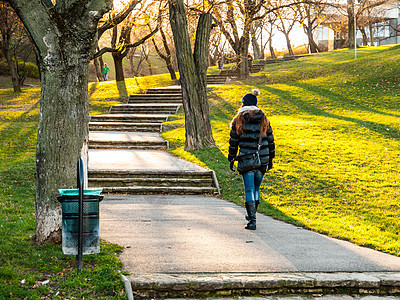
(297, 36)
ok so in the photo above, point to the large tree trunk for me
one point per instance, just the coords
(63, 129)
(119, 68)
(65, 42)
(289, 46)
(149, 64)
(364, 36)
(271, 49)
(243, 65)
(12, 66)
(256, 47)
(98, 69)
(350, 33)
(312, 44)
(371, 34)
(171, 70)
(192, 69)
(168, 56)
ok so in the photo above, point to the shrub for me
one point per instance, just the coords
(31, 69)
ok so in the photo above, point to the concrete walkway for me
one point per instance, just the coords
(138, 160)
(197, 245)
(170, 239)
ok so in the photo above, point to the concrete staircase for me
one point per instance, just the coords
(257, 67)
(126, 141)
(218, 79)
(127, 154)
(153, 181)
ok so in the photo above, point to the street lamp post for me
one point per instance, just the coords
(355, 29)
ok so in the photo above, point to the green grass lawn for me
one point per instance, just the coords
(336, 123)
(32, 272)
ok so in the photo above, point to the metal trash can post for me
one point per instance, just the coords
(80, 219)
(80, 236)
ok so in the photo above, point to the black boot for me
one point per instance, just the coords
(251, 212)
(257, 202)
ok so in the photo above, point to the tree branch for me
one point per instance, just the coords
(141, 41)
(118, 18)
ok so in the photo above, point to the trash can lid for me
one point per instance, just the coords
(75, 192)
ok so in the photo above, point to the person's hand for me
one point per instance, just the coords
(231, 165)
(270, 164)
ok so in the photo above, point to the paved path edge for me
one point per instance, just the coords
(234, 284)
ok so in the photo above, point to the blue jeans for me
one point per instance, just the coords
(252, 181)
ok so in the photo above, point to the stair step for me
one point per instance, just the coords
(215, 82)
(176, 90)
(123, 126)
(126, 145)
(216, 77)
(155, 98)
(149, 108)
(185, 174)
(256, 68)
(134, 118)
(160, 190)
(229, 73)
(154, 182)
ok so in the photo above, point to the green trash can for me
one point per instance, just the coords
(70, 220)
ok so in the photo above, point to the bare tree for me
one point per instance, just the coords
(254, 42)
(192, 70)
(310, 17)
(14, 44)
(229, 17)
(166, 54)
(217, 46)
(287, 18)
(121, 39)
(112, 19)
(367, 13)
(271, 19)
(236, 18)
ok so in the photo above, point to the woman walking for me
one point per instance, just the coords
(251, 132)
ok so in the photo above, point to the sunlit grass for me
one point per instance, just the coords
(111, 89)
(336, 123)
(24, 266)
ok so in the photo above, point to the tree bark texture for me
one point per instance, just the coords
(371, 34)
(98, 69)
(13, 67)
(350, 33)
(118, 66)
(289, 46)
(9, 24)
(271, 48)
(167, 56)
(243, 65)
(192, 70)
(256, 48)
(65, 37)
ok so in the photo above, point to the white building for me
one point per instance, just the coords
(385, 21)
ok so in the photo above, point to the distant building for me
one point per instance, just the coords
(383, 22)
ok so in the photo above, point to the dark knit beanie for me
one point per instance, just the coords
(251, 98)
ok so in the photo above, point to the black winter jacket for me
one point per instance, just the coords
(248, 141)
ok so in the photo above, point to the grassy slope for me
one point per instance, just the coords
(336, 122)
(24, 266)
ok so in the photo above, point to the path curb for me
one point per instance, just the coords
(229, 284)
